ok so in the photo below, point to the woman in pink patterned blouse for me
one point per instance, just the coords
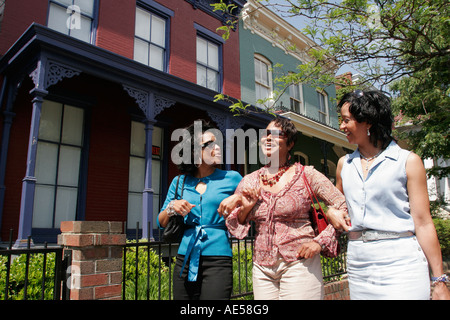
(286, 262)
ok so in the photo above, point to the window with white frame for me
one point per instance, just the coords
(58, 162)
(263, 80)
(323, 106)
(296, 98)
(137, 172)
(208, 63)
(72, 17)
(150, 39)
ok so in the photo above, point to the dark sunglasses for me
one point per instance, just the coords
(358, 93)
(276, 133)
(209, 144)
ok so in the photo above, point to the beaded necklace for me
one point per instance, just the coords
(273, 180)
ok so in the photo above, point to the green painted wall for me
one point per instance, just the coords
(251, 44)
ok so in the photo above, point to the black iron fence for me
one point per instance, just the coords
(33, 272)
(148, 269)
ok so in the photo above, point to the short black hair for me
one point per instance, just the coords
(288, 128)
(372, 107)
(189, 168)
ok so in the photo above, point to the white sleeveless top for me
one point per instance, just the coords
(380, 202)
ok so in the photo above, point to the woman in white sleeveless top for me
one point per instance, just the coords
(392, 238)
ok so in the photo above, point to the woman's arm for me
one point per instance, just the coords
(420, 211)
(181, 207)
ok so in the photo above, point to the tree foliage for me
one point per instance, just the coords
(401, 47)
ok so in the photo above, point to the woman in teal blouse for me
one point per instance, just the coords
(204, 267)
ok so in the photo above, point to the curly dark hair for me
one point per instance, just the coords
(374, 108)
(288, 128)
(189, 167)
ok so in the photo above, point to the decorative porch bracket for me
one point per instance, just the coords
(151, 105)
(46, 74)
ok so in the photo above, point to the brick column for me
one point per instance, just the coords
(96, 258)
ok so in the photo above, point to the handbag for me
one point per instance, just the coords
(319, 221)
(173, 232)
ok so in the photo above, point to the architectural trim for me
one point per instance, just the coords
(319, 130)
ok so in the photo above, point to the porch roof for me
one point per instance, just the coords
(39, 48)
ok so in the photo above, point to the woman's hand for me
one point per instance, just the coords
(228, 204)
(441, 292)
(308, 250)
(339, 219)
(250, 197)
(182, 207)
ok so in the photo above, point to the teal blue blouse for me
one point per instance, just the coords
(206, 234)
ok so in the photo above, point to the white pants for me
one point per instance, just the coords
(388, 269)
(298, 280)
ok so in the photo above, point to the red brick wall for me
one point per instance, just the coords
(337, 290)
(115, 30)
(109, 151)
(183, 46)
(17, 159)
(17, 17)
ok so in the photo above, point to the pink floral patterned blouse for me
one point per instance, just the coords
(282, 219)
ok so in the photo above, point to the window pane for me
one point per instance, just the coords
(158, 31)
(142, 28)
(141, 51)
(257, 70)
(84, 32)
(213, 79)
(73, 126)
(264, 74)
(66, 205)
(156, 208)
(64, 2)
(156, 176)
(157, 136)
(201, 75)
(46, 160)
(135, 210)
(86, 6)
(137, 174)
(44, 197)
(50, 123)
(202, 51)
(156, 58)
(69, 166)
(137, 143)
(294, 91)
(57, 18)
(213, 56)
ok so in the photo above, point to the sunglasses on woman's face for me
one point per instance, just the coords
(276, 133)
(209, 144)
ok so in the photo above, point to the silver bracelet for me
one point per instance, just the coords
(170, 210)
(444, 278)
